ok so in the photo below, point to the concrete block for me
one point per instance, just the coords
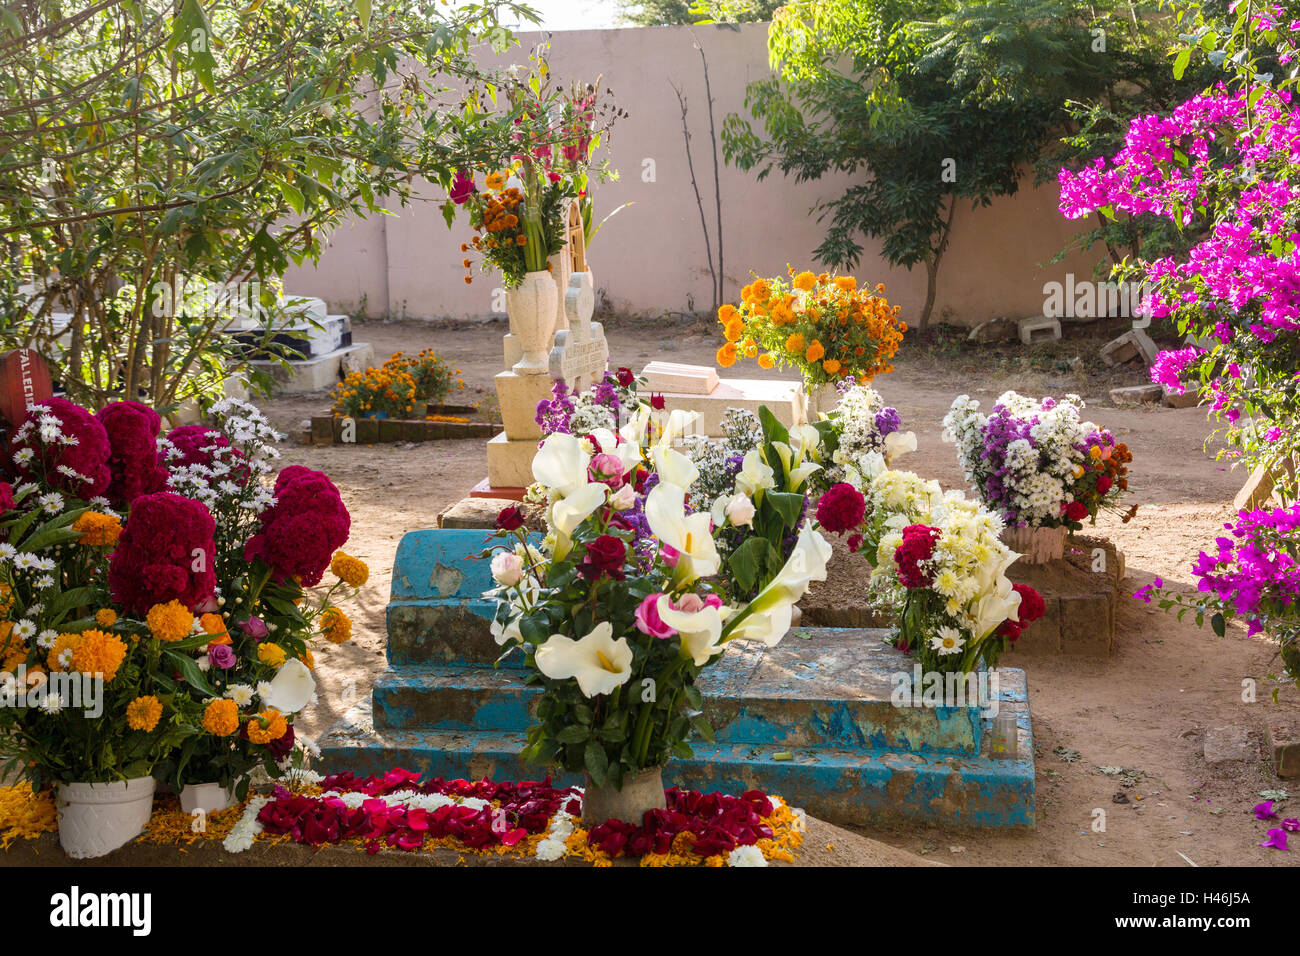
(1134, 344)
(1284, 748)
(683, 379)
(1039, 328)
(319, 373)
(1190, 397)
(1227, 744)
(510, 463)
(1137, 395)
(786, 399)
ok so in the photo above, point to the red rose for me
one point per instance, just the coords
(604, 558)
(657, 402)
(510, 519)
(855, 542)
(1076, 511)
(86, 456)
(1032, 605)
(841, 508)
(303, 529)
(1103, 484)
(625, 377)
(1009, 629)
(166, 552)
(132, 430)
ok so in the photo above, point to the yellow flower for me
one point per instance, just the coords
(350, 570)
(64, 642)
(831, 366)
(266, 726)
(795, 344)
(98, 530)
(804, 281)
(143, 713)
(335, 626)
(495, 181)
(106, 617)
(272, 654)
(221, 717)
(99, 653)
(170, 622)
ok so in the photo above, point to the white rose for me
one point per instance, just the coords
(623, 499)
(740, 511)
(507, 569)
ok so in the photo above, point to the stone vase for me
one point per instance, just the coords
(640, 792)
(821, 401)
(531, 306)
(208, 797)
(1036, 545)
(97, 818)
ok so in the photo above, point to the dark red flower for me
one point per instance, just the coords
(86, 456)
(625, 377)
(1103, 484)
(462, 187)
(917, 548)
(510, 518)
(1009, 629)
(604, 557)
(657, 402)
(841, 508)
(303, 529)
(1076, 511)
(282, 745)
(132, 429)
(166, 552)
(855, 542)
(1032, 605)
(6, 497)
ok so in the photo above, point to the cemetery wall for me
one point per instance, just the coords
(651, 257)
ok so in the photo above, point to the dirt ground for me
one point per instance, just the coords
(1144, 709)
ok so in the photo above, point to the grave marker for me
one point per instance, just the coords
(24, 380)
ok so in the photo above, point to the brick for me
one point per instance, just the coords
(1284, 750)
(322, 430)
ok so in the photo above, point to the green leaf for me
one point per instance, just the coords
(596, 762)
(1219, 625)
(573, 734)
(746, 562)
(363, 11)
(787, 504)
(292, 195)
(190, 671)
(1180, 63)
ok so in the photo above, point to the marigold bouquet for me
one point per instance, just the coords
(823, 325)
(1036, 462)
(377, 393)
(617, 625)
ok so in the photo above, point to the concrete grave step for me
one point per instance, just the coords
(833, 690)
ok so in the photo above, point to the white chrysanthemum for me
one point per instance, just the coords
(548, 851)
(746, 856)
(264, 689)
(52, 704)
(241, 694)
(45, 640)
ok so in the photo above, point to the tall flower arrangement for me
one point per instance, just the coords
(823, 325)
(1036, 462)
(616, 633)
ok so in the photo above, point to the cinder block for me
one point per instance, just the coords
(1133, 344)
(1039, 328)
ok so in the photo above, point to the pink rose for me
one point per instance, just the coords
(607, 468)
(648, 621)
(255, 628)
(670, 555)
(690, 603)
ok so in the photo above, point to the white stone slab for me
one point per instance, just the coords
(315, 374)
(510, 463)
(581, 354)
(786, 399)
(681, 379)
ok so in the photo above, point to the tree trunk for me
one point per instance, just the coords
(932, 268)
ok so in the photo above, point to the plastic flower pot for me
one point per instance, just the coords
(97, 818)
(640, 792)
(531, 307)
(208, 797)
(1036, 545)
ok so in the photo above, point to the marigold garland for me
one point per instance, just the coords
(25, 815)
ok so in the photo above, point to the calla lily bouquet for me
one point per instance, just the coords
(940, 566)
(622, 606)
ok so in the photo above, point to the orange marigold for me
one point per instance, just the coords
(804, 281)
(143, 713)
(266, 726)
(495, 181)
(815, 351)
(99, 653)
(727, 355)
(335, 626)
(795, 344)
(726, 313)
(766, 361)
(221, 717)
(350, 570)
(106, 617)
(170, 622)
(98, 530)
(831, 366)
(846, 283)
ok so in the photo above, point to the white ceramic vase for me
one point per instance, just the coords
(208, 797)
(97, 818)
(531, 306)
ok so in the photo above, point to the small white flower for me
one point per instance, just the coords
(24, 629)
(550, 850)
(746, 856)
(45, 640)
(241, 694)
(23, 456)
(65, 658)
(52, 704)
(264, 689)
(24, 561)
(45, 581)
(948, 641)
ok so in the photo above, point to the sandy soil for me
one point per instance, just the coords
(1146, 708)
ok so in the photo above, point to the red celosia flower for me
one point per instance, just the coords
(303, 529)
(657, 402)
(841, 508)
(87, 457)
(165, 553)
(1032, 605)
(6, 497)
(132, 429)
(918, 547)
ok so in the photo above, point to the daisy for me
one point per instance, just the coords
(45, 640)
(948, 641)
(24, 629)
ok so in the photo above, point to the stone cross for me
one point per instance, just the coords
(581, 354)
(576, 240)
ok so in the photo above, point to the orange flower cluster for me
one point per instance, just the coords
(98, 530)
(387, 390)
(824, 325)
(434, 378)
(498, 225)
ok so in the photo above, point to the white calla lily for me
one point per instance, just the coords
(994, 608)
(676, 425)
(808, 440)
(597, 662)
(561, 464)
(899, 443)
(292, 688)
(689, 535)
(766, 626)
(755, 474)
(634, 430)
(769, 615)
(574, 509)
(699, 630)
(674, 467)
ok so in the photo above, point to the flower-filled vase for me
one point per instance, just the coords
(97, 818)
(531, 306)
(639, 793)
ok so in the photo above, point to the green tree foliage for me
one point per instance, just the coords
(153, 146)
(926, 103)
(659, 13)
